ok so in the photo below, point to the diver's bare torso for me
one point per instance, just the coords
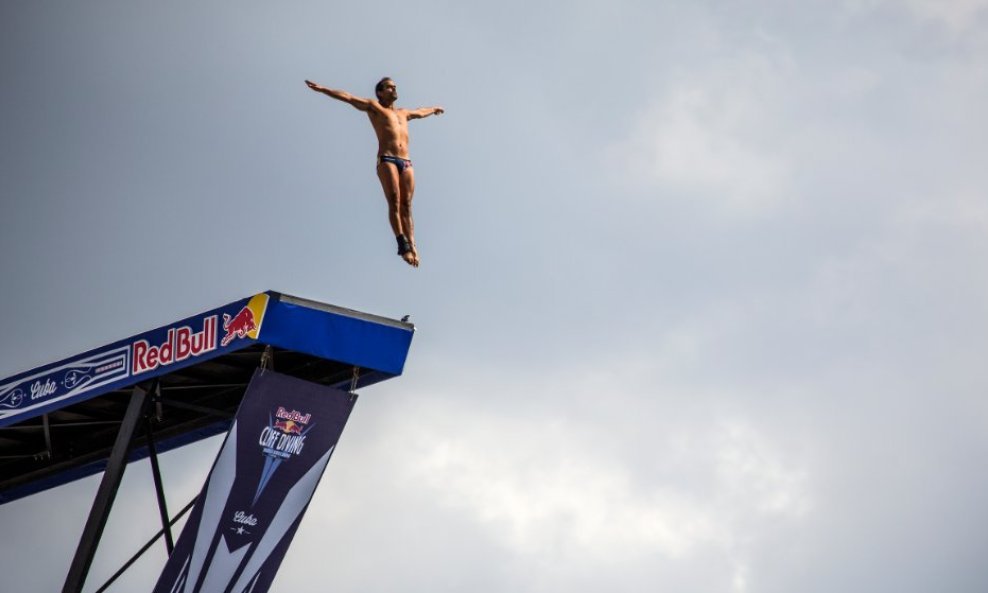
(391, 127)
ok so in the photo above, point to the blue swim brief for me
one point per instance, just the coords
(399, 162)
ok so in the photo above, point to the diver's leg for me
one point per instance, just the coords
(406, 191)
(388, 174)
(390, 183)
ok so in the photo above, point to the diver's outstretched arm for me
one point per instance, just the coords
(358, 102)
(425, 112)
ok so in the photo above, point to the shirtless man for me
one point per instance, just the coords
(394, 169)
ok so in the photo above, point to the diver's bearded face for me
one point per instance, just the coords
(389, 93)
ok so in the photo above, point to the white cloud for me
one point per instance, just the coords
(751, 469)
(957, 15)
(713, 134)
(565, 502)
(548, 488)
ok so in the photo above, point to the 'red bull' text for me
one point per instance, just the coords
(180, 344)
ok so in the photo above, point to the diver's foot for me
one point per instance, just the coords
(404, 245)
(407, 251)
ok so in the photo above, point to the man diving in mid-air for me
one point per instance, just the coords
(394, 168)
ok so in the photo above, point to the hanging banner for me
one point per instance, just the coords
(260, 485)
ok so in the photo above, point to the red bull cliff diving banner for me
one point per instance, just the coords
(263, 479)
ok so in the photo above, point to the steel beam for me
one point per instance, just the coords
(159, 488)
(107, 492)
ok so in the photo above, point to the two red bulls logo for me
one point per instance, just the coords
(288, 426)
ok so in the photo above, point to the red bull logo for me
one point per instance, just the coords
(285, 436)
(290, 422)
(180, 343)
(238, 326)
(288, 426)
(247, 322)
(294, 415)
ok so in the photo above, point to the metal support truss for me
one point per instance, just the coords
(107, 492)
(159, 488)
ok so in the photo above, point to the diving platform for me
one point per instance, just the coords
(59, 422)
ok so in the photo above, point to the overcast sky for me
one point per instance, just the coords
(703, 304)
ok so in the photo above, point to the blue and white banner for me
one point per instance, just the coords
(263, 479)
(124, 363)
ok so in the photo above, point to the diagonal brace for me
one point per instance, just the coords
(107, 492)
